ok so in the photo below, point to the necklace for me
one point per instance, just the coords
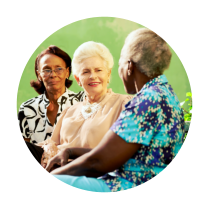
(89, 109)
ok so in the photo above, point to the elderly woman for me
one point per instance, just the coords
(38, 116)
(148, 133)
(85, 123)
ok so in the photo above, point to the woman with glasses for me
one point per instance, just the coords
(38, 116)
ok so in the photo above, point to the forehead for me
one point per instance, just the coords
(51, 60)
(91, 62)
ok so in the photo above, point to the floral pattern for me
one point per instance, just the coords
(154, 119)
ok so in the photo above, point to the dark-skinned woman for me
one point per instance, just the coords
(38, 116)
(148, 133)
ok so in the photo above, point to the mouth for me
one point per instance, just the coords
(53, 82)
(94, 84)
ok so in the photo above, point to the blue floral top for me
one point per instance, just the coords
(154, 119)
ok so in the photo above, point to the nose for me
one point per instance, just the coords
(93, 75)
(53, 74)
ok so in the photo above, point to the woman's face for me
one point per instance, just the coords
(54, 81)
(93, 76)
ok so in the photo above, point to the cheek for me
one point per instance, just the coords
(45, 80)
(83, 80)
(63, 77)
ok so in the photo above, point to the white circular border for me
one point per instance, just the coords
(109, 9)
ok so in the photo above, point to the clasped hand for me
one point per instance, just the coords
(59, 159)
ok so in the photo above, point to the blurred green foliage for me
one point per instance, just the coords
(112, 33)
(187, 109)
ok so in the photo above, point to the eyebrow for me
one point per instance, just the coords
(48, 67)
(84, 69)
(94, 68)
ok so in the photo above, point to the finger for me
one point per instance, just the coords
(63, 162)
(49, 165)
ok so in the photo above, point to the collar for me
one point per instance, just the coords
(159, 80)
(46, 100)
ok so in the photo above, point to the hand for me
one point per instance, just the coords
(44, 159)
(60, 159)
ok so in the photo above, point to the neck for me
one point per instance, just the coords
(92, 98)
(140, 80)
(53, 96)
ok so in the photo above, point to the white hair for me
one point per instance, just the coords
(91, 49)
(148, 51)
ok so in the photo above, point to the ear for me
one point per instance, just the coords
(39, 76)
(67, 74)
(130, 67)
(77, 79)
(109, 73)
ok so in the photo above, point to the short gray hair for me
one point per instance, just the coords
(148, 51)
(91, 49)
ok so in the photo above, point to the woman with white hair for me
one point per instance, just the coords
(85, 124)
(148, 133)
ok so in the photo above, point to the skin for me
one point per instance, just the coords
(93, 77)
(112, 152)
(54, 84)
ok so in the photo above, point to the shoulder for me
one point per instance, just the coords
(78, 96)
(148, 96)
(76, 106)
(74, 109)
(29, 107)
(122, 97)
(32, 102)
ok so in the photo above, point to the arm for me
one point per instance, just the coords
(111, 153)
(23, 123)
(62, 157)
(27, 139)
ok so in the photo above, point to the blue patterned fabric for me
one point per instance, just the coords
(154, 119)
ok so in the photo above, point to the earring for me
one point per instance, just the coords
(80, 84)
(39, 79)
(108, 81)
(129, 72)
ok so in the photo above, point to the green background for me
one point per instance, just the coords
(112, 33)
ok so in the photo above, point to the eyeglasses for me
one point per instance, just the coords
(47, 72)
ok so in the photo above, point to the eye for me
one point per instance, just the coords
(47, 71)
(59, 69)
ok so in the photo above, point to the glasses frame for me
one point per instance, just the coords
(55, 70)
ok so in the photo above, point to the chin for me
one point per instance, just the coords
(54, 88)
(130, 91)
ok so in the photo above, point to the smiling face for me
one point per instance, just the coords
(93, 77)
(53, 82)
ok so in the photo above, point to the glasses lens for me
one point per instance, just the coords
(59, 70)
(47, 72)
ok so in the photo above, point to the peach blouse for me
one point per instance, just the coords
(73, 130)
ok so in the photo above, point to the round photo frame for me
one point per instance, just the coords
(92, 199)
